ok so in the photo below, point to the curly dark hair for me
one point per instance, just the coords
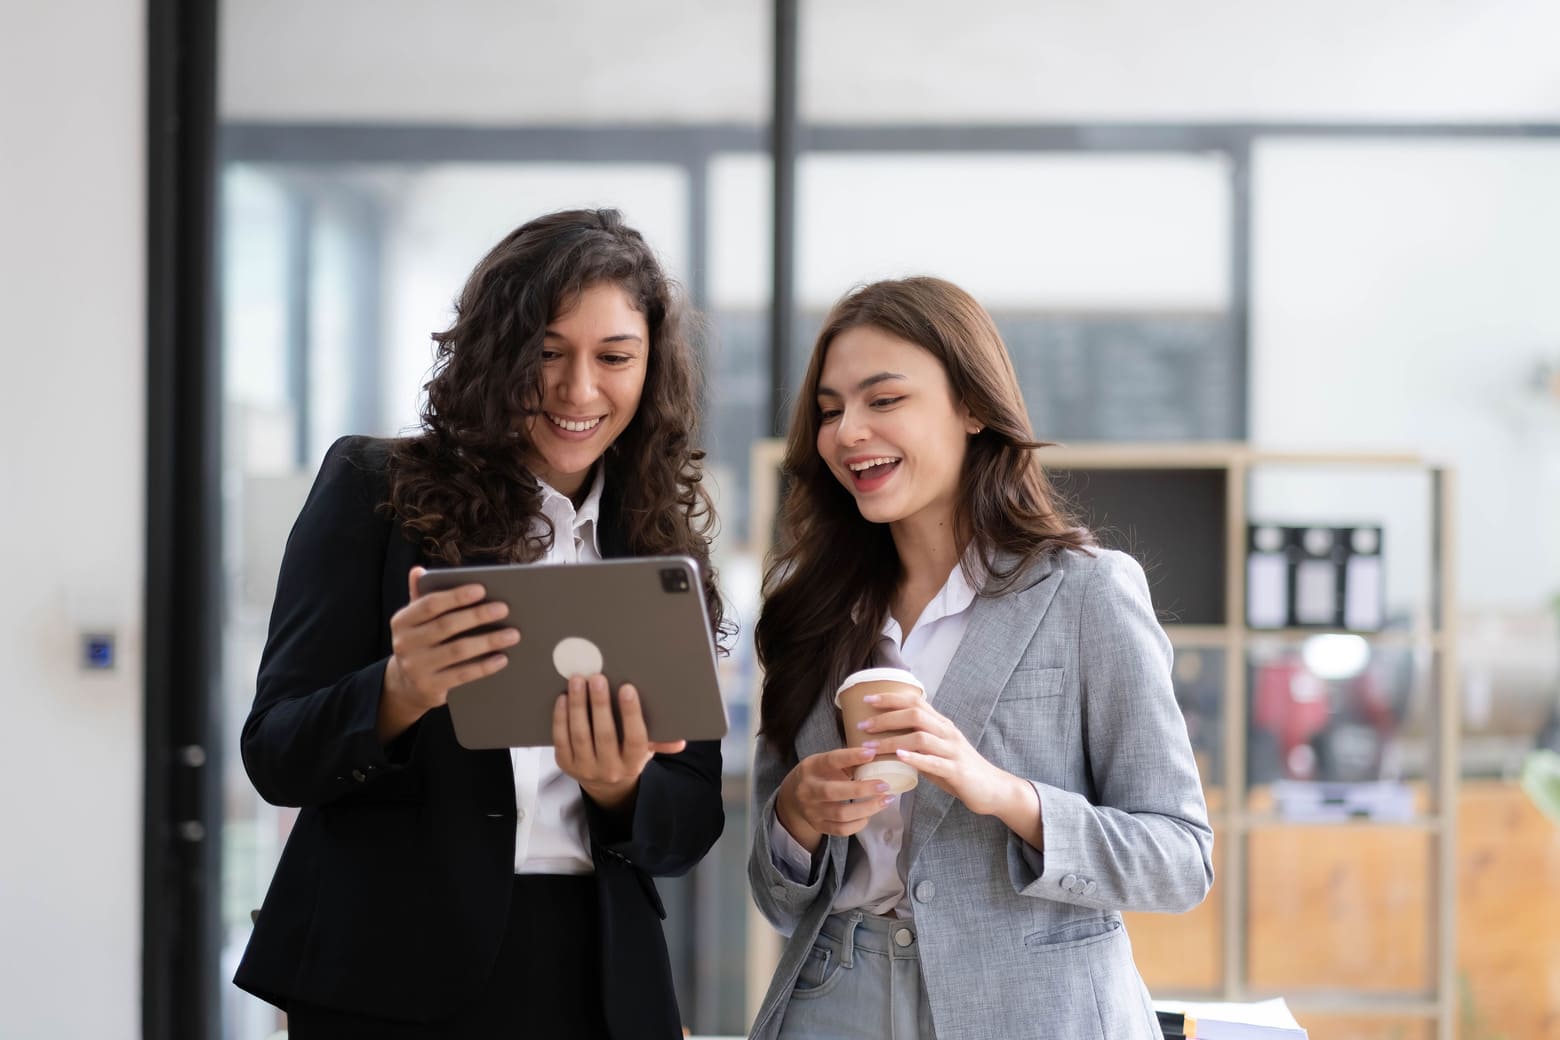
(832, 574)
(461, 487)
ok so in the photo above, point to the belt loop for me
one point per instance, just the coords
(848, 945)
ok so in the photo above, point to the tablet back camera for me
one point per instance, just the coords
(674, 579)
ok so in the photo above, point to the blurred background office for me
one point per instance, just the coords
(1207, 228)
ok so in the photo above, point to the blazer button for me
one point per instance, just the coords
(778, 890)
(1069, 881)
(1088, 889)
(925, 892)
(359, 775)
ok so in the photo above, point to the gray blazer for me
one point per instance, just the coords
(1066, 682)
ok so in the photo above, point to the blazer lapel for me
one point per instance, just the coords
(999, 631)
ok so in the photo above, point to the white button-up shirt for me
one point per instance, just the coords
(551, 836)
(874, 870)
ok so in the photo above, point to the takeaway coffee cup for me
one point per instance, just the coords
(899, 776)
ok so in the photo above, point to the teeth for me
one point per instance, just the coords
(574, 427)
(857, 467)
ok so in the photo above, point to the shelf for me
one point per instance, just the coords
(1356, 1004)
(1248, 822)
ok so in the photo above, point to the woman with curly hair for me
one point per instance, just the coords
(428, 890)
(1056, 781)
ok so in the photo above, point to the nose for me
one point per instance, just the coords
(851, 427)
(577, 384)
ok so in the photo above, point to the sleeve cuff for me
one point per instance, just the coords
(788, 856)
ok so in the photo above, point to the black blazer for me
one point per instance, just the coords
(392, 894)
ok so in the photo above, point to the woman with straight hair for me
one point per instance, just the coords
(428, 890)
(1057, 787)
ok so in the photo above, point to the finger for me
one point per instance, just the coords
(563, 751)
(453, 622)
(894, 699)
(839, 762)
(668, 747)
(834, 816)
(636, 740)
(457, 652)
(579, 723)
(424, 609)
(932, 765)
(603, 726)
(919, 741)
(827, 792)
(471, 671)
(411, 581)
(904, 718)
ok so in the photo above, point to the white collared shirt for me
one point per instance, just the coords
(874, 871)
(551, 835)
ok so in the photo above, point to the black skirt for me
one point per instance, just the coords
(546, 982)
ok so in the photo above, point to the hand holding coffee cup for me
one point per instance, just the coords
(899, 776)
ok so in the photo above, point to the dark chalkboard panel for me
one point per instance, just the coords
(1171, 520)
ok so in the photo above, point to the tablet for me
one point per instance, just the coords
(637, 620)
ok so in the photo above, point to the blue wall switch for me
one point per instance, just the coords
(97, 650)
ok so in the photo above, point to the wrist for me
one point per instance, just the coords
(805, 836)
(614, 798)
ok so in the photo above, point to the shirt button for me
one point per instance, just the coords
(926, 891)
(359, 775)
(904, 937)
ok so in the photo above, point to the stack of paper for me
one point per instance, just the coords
(1263, 1020)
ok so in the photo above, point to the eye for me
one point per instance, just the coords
(885, 402)
(616, 359)
(551, 355)
(828, 414)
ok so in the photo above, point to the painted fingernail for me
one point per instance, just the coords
(864, 724)
(870, 745)
(882, 788)
(890, 799)
(868, 750)
(870, 698)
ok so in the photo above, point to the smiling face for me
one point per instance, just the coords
(594, 360)
(889, 427)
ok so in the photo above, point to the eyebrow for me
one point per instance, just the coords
(870, 381)
(621, 337)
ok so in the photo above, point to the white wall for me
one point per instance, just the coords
(72, 291)
(1404, 294)
(495, 61)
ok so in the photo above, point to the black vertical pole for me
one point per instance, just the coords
(783, 150)
(181, 881)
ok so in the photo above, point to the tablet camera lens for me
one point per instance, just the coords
(674, 579)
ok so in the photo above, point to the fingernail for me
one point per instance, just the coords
(890, 799)
(901, 752)
(868, 750)
(864, 723)
(870, 698)
(882, 788)
(870, 745)
(512, 636)
(626, 693)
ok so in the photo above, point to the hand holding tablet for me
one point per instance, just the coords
(639, 621)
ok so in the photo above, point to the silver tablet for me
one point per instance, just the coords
(639, 620)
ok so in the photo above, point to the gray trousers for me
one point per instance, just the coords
(861, 981)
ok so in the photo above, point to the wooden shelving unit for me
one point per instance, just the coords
(1431, 633)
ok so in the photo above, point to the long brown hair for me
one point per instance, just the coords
(830, 581)
(461, 487)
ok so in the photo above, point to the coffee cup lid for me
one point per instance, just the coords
(878, 675)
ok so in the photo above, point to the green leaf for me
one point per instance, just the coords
(1541, 780)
